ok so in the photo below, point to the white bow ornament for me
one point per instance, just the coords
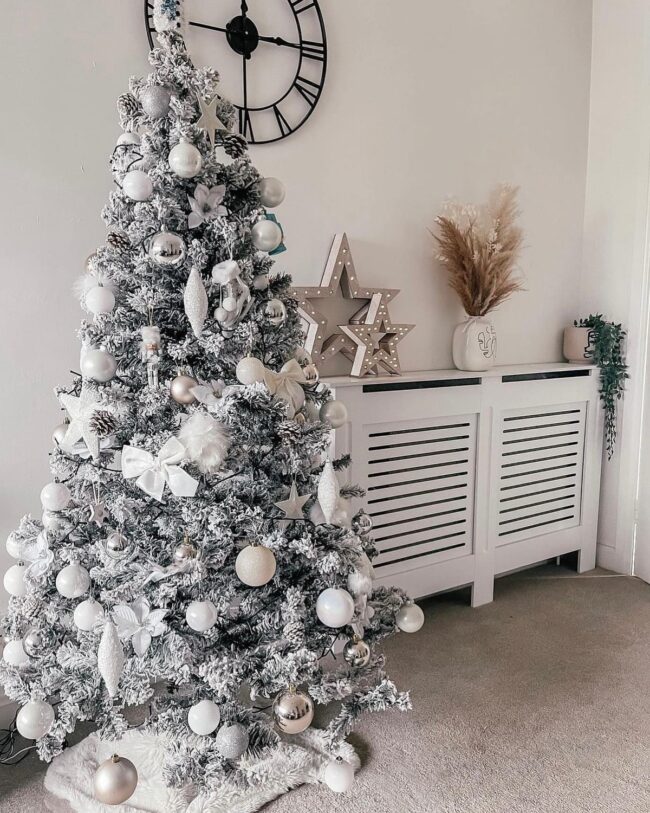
(37, 552)
(288, 385)
(153, 472)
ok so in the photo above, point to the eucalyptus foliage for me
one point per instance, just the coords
(266, 638)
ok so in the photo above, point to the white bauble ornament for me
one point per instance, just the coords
(201, 616)
(266, 235)
(87, 614)
(333, 413)
(335, 607)
(272, 192)
(98, 365)
(250, 371)
(137, 185)
(115, 780)
(34, 719)
(338, 775)
(328, 491)
(73, 581)
(229, 304)
(59, 433)
(232, 740)
(100, 299)
(155, 101)
(167, 249)
(204, 718)
(185, 160)
(255, 565)
(128, 140)
(409, 618)
(261, 282)
(293, 711)
(14, 580)
(110, 658)
(14, 546)
(221, 314)
(181, 387)
(14, 654)
(55, 497)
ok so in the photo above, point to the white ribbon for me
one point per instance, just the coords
(288, 385)
(153, 472)
(39, 555)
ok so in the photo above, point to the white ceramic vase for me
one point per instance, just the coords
(578, 345)
(474, 346)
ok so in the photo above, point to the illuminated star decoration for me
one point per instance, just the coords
(292, 508)
(98, 513)
(376, 341)
(324, 340)
(210, 121)
(81, 411)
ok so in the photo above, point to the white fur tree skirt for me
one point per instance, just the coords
(293, 763)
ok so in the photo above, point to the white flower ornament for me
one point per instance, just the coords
(206, 204)
(140, 623)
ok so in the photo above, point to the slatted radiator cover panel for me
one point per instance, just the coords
(420, 490)
(540, 471)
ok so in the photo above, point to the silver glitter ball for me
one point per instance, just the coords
(155, 101)
(293, 711)
(232, 740)
(184, 552)
(356, 652)
(115, 780)
(167, 249)
(116, 545)
(37, 641)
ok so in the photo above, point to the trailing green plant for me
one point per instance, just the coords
(606, 345)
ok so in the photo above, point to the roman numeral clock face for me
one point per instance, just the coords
(271, 56)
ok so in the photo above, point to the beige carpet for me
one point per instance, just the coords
(537, 703)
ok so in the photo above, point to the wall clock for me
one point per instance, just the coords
(271, 54)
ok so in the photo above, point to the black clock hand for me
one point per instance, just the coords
(273, 40)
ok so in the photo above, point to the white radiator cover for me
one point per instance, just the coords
(471, 475)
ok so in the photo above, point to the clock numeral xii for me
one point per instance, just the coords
(301, 5)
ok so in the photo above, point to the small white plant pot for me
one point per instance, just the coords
(578, 345)
(474, 345)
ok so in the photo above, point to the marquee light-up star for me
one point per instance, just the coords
(293, 507)
(376, 345)
(210, 121)
(81, 411)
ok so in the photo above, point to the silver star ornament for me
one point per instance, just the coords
(292, 508)
(81, 411)
(209, 120)
(98, 513)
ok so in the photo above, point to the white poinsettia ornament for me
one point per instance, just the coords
(209, 393)
(140, 623)
(206, 204)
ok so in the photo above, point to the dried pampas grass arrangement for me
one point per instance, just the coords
(480, 246)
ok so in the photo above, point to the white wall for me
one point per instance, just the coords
(442, 97)
(614, 278)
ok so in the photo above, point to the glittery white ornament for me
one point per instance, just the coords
(204, 717)
(155, 101)
(110, 658)
(232, 740)
(328, 491)
(255, 565)
(195, 301)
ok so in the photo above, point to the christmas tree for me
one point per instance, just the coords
(196, 557)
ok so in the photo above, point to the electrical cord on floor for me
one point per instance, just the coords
(8, 753)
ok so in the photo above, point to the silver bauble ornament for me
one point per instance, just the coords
(255, 565)
(155, 101)
(362, 523)
(293, 711)
(167, 249)
(276, 312)
(185, 160)
(185, 552)
(232, 740)
(116, 545)
(250, 370)
(272, 192)
(137, 185)
(115, 780)
(98, 365)
(356, 652)
(410, 617)
(55, 523)
(59, 433)
(266, 235)
(37, 641)
(181, 389)
(34, 719)
(333, 413)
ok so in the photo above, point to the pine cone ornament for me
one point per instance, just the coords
(103, 423)
(234, 145)
(129, 111)
(118, 241)
(294, 632)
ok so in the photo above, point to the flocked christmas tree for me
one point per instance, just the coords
(196, 555)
